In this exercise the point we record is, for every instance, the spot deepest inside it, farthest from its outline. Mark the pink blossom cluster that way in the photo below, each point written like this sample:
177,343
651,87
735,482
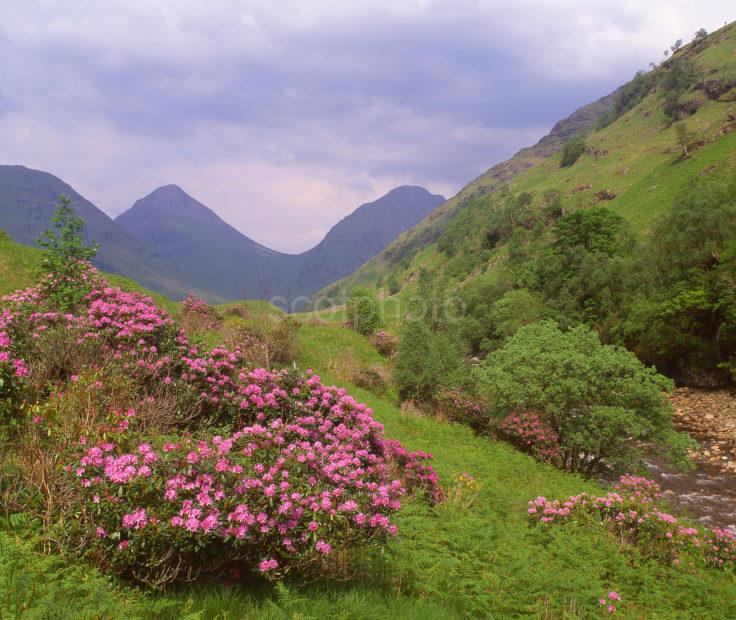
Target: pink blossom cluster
633,511
11,366
530,433
417,473
198,315
311,472
609,601
460,407
385,343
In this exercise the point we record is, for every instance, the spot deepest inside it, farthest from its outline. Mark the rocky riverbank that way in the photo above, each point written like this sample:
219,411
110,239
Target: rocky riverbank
708,492
710,417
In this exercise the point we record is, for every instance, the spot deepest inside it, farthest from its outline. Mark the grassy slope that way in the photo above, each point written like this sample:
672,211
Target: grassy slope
639,164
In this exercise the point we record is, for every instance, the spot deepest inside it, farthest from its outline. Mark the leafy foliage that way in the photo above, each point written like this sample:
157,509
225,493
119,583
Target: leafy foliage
572,150
66,256
601,402
681,74
627,97
684,318
363,310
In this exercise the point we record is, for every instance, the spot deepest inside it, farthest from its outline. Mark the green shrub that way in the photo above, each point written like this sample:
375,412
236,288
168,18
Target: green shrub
572,150
602,403
363,310
426,362
393,285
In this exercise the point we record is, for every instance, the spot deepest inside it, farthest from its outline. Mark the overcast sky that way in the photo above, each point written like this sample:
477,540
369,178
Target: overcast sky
285,116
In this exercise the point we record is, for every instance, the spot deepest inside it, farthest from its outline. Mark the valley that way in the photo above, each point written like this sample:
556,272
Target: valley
515,402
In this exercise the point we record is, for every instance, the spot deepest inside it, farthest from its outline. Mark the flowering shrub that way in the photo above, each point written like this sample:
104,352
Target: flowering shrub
417,475
606,408
531,434
632,511
385,343
12,368
197,315
308,475
295,473
458,406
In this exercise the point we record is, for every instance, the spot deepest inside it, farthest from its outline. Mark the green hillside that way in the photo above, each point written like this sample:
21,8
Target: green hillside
634,161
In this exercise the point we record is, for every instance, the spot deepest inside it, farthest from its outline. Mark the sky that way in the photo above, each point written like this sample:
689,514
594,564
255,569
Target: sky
284,116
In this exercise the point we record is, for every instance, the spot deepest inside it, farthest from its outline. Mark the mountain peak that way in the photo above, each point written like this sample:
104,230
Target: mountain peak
165,202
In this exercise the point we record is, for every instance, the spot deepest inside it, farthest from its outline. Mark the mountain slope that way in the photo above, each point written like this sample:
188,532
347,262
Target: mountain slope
27,200
631,164
362,235
207,249
213,254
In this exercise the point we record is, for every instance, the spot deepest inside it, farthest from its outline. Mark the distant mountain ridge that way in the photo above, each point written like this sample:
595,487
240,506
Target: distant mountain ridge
173,244
27,200
210,251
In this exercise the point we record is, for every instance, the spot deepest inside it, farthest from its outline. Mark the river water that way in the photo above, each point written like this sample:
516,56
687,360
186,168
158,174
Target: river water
706,494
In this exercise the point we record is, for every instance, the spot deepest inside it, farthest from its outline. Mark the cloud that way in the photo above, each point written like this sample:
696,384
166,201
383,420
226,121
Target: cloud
284,117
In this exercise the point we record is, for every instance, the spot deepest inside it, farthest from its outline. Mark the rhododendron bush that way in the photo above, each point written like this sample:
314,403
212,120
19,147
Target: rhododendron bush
253,470
634,512
309,475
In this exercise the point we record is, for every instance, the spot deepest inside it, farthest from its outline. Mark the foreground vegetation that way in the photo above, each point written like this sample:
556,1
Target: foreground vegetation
475,553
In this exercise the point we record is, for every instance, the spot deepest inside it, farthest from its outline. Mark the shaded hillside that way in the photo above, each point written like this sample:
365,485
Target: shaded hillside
213,254
362,235
203,246
27,200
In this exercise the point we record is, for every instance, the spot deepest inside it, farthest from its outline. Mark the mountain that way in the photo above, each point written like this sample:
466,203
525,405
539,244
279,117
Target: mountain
361,235
630,163
202,245
173,244
212,253
27,200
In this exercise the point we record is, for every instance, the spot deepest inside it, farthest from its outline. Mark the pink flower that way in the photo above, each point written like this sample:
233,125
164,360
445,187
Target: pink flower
323,547
267,565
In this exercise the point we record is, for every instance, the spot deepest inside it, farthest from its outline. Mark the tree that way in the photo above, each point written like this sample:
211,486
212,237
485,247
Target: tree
66,256
572,150
684,320
700,35
393,284
602,403
427,361
363,310
676,45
